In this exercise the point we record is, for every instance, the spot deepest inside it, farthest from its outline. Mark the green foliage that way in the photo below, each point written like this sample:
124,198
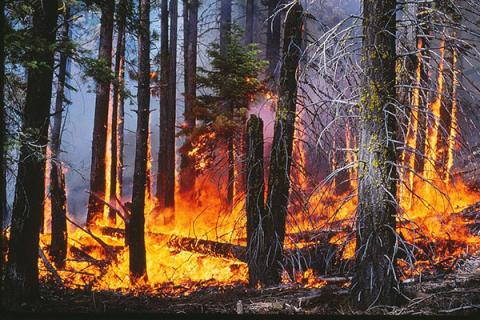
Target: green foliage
230,84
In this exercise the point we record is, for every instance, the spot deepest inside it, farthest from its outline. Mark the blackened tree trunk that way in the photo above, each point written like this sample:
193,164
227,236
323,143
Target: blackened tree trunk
117,103
164,106
375,262
136,229
22,269
282,144
225,34
255,206
99,139
58,245
249,21
187,170
273,39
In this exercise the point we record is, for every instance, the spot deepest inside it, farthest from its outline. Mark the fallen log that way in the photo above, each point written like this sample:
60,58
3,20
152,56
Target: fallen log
50,268
82,256
208,247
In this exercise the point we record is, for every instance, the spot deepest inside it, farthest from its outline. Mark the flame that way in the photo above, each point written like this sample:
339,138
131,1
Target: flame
453,126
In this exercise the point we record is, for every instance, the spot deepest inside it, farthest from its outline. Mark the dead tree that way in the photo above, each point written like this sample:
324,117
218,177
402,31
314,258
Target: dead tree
190,18
117,107
3,130
282,145
166,160
374,271
136,227
22,269
225,34
99,139
255,206
58,244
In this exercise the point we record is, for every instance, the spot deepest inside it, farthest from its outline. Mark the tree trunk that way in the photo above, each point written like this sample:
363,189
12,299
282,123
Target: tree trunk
273,40
117,103
99,139
225,34
249,21
22,269
374,272
255,206
3,134
136,228
58,246
282,144
187,170
164,106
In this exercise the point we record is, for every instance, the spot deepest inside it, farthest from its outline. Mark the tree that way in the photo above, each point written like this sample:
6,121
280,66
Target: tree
22,268
375,261
3,129
136,228
116,168
249,21
273,39
282,144
166,154
99,139
190,16
58,244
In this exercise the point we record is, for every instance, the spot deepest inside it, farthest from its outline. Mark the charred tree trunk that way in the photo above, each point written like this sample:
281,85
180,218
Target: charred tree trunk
225,34
22,269
187,169
3,134
166,167
136,228
58,246
164,105
99,139
281,156
249,21
273,40
117,103
255,206
374,272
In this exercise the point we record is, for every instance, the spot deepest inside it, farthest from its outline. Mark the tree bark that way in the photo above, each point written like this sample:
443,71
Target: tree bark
255,206
117,103
249,21
273,40
3,134
22,269
136,228
375,261
187,170
282,144
99,139
58,246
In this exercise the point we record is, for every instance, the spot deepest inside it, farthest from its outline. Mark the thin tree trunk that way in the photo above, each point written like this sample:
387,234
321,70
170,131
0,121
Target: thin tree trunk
136,228
164,105
249,21
117,103
225,34
22,268
187,170
3,134
282,144
58,245
375,262
273,40
99,139
255,206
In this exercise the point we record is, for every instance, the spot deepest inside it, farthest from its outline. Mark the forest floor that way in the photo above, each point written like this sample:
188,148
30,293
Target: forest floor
455,293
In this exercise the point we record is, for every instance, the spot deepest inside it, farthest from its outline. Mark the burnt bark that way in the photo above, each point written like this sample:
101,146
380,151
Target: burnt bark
375,260
117,104
3,134
190,16
22,268
282,144
255,206
136,227
58,246
99,139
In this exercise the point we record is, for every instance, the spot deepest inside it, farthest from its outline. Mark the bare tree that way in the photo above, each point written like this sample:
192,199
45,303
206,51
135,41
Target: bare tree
99,139
136,228
22,268
3,128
